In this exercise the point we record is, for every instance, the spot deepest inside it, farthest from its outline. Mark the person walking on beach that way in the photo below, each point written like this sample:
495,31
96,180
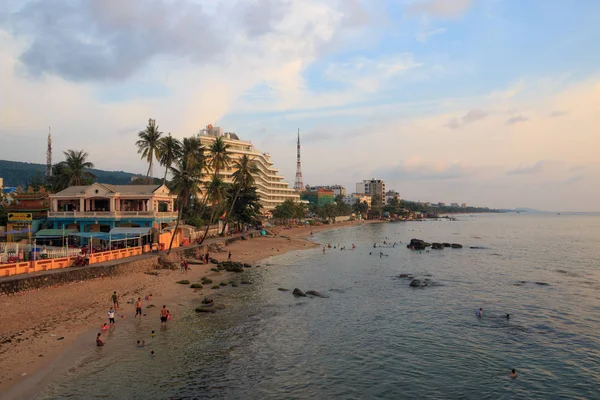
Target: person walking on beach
164,314
111,316
115,300
207,258
138,307
323,249
229,257
479,313
181,265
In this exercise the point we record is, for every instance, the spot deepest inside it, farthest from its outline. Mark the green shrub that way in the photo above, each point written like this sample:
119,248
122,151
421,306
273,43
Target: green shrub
196,286
184,282
216,287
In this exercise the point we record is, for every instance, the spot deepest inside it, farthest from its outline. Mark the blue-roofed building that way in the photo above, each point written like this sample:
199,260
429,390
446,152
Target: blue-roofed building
101,207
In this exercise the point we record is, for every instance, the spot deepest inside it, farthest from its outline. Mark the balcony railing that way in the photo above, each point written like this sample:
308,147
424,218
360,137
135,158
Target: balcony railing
111,214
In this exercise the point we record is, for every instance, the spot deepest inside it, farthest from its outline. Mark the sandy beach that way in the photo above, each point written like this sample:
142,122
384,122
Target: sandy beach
40,325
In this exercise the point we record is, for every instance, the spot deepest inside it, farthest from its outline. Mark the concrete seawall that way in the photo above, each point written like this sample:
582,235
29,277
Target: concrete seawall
146,262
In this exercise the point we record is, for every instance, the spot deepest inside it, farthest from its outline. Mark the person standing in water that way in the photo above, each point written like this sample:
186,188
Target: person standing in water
115,300
323,249
138,307
99,341
513,373
163,315
479,313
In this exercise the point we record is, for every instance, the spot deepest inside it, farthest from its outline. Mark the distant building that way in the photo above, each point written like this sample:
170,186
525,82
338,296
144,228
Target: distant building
351,199
391,194
337,189
441,204
455,205
464,205
25,212
270,187
373,187
319,196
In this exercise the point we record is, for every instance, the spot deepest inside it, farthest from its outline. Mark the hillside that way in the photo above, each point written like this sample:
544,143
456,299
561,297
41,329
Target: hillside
17,173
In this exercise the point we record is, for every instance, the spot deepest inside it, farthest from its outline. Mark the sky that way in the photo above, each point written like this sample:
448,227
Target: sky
489,102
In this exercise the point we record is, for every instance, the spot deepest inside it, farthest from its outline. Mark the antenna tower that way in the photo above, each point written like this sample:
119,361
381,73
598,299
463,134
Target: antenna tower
299,186
49,156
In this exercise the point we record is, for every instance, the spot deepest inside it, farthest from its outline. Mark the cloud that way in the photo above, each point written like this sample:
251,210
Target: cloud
516,120
370,73
439,8
425,35
414,169
558,113
469,117
509,92
536,168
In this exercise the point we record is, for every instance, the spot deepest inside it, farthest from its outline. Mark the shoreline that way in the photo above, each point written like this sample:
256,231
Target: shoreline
46,324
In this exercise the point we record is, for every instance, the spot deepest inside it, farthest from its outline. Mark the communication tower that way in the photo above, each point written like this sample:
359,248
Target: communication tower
299,186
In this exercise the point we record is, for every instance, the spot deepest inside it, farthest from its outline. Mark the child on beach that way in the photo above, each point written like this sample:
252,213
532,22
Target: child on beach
99,341
152,334
104,327
115,300
111,316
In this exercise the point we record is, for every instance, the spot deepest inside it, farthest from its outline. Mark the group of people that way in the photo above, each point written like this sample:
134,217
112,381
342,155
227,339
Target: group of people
479,314
165,316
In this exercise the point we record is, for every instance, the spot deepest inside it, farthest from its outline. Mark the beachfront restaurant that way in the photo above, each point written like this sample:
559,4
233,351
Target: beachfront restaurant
99,208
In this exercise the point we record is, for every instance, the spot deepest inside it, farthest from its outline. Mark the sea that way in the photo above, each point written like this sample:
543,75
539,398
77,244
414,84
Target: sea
374,336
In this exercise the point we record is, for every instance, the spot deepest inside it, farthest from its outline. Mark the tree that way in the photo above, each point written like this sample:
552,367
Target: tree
360,207
285,210
185,184
169,150
194,153
245,168
216,194
71,172
148,144
247,208
219,157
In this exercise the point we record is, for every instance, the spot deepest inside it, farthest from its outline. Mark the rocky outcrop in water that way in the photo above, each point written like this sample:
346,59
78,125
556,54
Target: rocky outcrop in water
316,294
417,244
283,289
298,293
421,283
231,266
406,276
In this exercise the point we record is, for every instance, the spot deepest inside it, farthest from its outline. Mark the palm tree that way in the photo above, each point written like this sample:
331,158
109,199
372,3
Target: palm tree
74,168
193,152
216,193
169,150
148,144
186,184
219,158
243,177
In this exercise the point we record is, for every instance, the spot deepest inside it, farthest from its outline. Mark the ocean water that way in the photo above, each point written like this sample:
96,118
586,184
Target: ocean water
375,337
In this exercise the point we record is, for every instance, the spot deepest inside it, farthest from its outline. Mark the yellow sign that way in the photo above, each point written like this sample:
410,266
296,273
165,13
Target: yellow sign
19,216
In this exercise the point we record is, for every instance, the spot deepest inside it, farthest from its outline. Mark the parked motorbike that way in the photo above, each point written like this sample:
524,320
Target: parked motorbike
81,262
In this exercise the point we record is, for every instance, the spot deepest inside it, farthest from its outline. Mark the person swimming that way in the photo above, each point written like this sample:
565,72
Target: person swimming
479,313
141,343
152,334
152,353
513,373
507,316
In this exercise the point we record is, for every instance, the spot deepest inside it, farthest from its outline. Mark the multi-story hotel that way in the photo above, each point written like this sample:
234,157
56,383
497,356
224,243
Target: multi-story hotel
270,186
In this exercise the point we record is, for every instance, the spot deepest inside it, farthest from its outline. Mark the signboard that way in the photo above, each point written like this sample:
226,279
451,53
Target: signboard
20,217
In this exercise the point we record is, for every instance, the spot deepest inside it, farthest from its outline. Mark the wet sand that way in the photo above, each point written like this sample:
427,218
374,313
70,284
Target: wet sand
43,324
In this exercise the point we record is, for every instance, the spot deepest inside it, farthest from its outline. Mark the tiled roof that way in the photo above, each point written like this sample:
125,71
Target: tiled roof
124,189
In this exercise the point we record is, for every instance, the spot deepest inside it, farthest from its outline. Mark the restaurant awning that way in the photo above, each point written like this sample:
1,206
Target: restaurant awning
130,231
54,233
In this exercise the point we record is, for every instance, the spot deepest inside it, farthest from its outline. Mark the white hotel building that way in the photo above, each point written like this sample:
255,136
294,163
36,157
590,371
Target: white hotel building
270,186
